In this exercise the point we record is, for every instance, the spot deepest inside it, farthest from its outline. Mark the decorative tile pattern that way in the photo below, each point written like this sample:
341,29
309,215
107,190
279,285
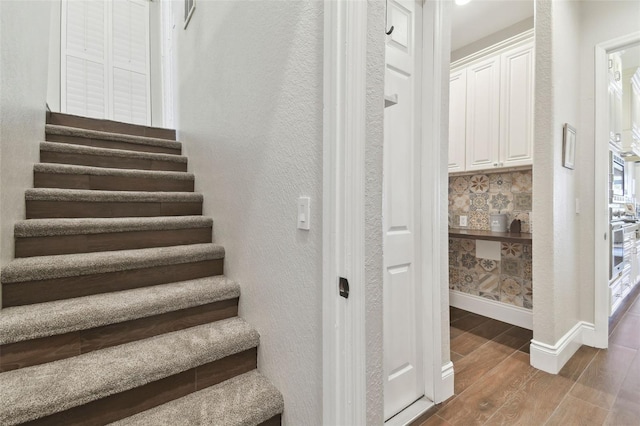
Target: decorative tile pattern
500,182
522,201
467,260
479,202
478,220
511,266
459,202
527,268
479,183
508,193
527,253
468,245
487,265
521,181
512,290
489,283
460,184
500,201
511,250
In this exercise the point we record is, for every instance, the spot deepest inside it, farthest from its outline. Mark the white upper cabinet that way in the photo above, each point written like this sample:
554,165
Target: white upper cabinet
457,119
483,114
491,108
516,107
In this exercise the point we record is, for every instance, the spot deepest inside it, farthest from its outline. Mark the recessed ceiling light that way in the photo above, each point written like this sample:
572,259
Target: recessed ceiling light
462,2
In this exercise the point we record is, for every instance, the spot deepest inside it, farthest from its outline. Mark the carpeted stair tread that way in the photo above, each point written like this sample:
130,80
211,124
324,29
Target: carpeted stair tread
37,391
63,316
88,150
67,169
245,400
88,195
78,264
56,227
53,129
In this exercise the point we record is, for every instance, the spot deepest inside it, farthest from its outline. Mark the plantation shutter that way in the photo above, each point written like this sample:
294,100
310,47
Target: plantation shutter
105,59
84,42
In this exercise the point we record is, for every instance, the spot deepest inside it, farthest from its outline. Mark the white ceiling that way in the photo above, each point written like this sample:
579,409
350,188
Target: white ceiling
481,18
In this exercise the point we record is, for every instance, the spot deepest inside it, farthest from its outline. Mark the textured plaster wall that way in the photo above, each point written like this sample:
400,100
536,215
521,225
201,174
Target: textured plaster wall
373,212
600,21
249,111
23,88
555,264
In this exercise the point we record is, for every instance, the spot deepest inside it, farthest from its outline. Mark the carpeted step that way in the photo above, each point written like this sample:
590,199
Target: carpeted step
46,278
35,334
54,152
248,399
52,175
77,121
42,203
76,136
45,237
127,378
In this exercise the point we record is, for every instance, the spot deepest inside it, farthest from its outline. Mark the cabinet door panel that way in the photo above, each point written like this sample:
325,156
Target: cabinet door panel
457,118
516,107
483,109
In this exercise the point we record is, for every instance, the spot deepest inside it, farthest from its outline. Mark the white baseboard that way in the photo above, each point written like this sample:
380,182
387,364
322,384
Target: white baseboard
446,389
490,308
551,358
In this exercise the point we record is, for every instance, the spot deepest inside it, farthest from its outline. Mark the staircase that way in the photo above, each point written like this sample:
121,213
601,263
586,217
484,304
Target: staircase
115,308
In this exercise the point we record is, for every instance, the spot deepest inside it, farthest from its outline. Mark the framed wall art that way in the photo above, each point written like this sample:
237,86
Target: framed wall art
568,146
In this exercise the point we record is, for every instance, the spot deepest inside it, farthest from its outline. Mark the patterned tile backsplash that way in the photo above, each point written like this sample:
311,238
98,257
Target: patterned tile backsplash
507,280
479,195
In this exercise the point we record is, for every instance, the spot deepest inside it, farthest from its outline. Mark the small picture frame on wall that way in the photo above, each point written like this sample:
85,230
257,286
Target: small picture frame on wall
568,146
189,7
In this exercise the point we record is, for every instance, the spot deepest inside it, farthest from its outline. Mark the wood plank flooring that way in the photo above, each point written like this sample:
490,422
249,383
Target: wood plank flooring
495,385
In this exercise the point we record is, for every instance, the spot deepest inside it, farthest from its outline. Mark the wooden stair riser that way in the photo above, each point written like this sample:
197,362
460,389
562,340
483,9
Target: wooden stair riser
110,183
39,209
128,403
90,243
25,293
112,144
109,126
52,348
111,162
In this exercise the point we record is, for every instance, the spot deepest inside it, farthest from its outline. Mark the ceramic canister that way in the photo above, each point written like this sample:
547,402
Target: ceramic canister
499,222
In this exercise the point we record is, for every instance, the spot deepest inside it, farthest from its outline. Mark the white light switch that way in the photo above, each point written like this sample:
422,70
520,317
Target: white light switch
463,220
304,213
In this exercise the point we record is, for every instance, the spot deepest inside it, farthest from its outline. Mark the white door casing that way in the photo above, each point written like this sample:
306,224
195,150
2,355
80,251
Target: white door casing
105,60
402,293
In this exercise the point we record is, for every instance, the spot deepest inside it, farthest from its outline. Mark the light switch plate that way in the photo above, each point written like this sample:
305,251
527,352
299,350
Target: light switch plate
463,221
304,213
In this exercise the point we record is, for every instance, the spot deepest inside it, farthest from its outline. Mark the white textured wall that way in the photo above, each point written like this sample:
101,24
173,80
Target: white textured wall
23,88
249,111
373,211
601,21
556,283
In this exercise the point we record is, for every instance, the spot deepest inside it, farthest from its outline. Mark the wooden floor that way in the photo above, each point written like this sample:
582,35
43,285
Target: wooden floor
494,383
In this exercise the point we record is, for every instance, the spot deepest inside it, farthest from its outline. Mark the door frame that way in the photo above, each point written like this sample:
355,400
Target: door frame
601,189
345,349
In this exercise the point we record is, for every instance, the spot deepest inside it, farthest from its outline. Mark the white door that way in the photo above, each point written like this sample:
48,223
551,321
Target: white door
516,106
457,120
483,114
403,371
105,59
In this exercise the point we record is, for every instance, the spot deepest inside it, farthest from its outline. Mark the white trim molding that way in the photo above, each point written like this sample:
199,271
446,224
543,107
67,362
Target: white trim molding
551,358
447,379
601,186
490,308
344,345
